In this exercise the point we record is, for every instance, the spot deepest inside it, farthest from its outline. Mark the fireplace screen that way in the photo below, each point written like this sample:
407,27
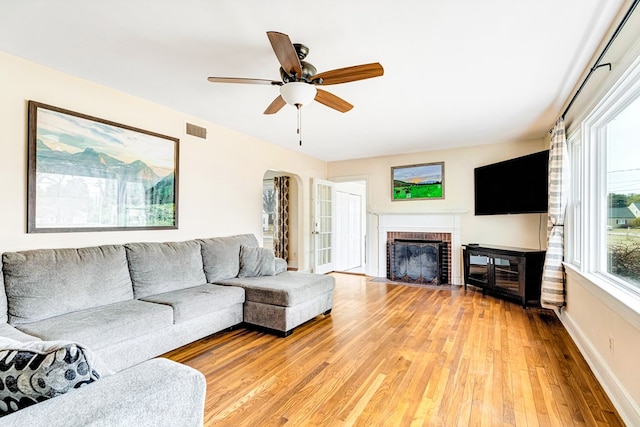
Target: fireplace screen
415,261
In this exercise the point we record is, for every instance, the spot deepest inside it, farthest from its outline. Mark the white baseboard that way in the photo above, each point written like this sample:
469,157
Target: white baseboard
623,402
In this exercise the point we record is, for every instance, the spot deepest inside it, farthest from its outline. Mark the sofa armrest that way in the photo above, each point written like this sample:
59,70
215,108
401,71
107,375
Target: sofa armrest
8,331
157,392
281,265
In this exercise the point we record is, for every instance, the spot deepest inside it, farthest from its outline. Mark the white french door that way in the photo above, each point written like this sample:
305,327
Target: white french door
349,234
323,225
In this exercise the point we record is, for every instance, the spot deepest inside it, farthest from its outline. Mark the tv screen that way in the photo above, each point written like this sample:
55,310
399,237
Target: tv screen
513,186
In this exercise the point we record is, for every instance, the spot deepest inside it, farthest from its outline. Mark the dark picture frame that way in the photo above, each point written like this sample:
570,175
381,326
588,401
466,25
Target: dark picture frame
90,174
423,181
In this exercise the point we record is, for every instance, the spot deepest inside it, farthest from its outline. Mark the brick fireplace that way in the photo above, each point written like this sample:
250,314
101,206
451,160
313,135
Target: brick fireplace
428,227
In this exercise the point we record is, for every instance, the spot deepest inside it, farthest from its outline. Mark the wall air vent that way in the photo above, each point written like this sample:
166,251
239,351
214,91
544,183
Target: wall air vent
197,131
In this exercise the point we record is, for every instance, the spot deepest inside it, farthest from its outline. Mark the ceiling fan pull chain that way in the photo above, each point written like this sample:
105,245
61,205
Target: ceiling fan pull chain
299,123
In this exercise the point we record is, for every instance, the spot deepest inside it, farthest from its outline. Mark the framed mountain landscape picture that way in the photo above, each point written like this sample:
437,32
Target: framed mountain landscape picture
89,174
417,182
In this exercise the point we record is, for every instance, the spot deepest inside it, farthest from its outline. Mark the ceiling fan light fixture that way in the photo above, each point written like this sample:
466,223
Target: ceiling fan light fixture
298,93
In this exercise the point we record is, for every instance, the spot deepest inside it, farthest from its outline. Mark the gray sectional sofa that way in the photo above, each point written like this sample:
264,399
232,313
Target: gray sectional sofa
129,303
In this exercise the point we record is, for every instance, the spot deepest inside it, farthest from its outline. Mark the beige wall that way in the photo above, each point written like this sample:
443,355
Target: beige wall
607,333
507,230
220,179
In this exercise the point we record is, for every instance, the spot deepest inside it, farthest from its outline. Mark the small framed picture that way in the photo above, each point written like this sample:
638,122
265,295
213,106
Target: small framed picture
417,182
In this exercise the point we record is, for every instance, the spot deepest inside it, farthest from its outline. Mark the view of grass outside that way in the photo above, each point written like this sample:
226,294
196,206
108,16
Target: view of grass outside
623,191
624,253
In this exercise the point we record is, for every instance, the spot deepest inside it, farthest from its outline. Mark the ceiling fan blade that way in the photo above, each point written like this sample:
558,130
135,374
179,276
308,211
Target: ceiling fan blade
275,106
245,81
332,101
285,52
350,74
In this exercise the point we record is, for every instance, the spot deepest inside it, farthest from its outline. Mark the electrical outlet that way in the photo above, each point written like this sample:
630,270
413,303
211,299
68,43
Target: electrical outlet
611,344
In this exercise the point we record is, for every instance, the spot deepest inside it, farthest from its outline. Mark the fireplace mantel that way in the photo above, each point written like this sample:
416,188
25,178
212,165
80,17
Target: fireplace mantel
446,221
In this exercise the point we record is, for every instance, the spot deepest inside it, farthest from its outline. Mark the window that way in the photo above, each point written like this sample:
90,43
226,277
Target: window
268,211
603,214
623,191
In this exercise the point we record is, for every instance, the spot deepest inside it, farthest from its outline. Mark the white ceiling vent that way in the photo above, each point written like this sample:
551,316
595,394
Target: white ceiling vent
196,131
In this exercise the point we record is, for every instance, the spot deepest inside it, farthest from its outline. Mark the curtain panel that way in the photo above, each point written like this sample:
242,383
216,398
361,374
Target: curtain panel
553,281
281,222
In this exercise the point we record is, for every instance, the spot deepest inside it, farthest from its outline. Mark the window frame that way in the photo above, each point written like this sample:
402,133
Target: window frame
588,224
574,229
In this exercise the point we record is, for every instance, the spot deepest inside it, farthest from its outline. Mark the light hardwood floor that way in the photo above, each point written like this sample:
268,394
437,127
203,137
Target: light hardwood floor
395,355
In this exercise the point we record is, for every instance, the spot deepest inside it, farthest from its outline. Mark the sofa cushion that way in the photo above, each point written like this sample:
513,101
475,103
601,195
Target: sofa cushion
199,300
256,261
44,283
36,371
285,289
103,326
4,317
163,267
221,255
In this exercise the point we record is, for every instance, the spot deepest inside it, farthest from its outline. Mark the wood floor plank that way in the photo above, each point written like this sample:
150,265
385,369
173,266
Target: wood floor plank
396,355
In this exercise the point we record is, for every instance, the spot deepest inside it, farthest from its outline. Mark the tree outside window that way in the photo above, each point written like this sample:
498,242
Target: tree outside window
268,208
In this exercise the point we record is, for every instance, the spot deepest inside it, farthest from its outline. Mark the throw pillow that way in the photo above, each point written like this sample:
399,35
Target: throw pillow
281,265
255,261
39,370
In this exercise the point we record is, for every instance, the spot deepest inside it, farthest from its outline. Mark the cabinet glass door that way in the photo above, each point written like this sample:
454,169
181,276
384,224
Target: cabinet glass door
479,268
506,274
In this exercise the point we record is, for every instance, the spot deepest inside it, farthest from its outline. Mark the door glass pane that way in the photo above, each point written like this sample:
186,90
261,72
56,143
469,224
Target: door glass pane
479,268
324,209
506,274
623,195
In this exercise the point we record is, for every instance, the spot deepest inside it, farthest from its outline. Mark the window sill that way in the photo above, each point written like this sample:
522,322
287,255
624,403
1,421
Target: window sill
620,300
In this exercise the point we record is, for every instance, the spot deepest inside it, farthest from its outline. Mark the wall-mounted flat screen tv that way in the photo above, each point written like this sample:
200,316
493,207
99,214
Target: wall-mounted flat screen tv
513,186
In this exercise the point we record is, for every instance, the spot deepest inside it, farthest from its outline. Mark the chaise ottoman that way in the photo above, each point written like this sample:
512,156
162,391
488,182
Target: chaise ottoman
276,300
281,302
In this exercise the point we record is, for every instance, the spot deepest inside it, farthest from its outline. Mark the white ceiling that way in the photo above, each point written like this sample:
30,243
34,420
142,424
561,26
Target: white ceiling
457,72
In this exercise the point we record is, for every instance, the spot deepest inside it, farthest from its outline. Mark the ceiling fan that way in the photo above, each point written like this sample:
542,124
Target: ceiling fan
300,79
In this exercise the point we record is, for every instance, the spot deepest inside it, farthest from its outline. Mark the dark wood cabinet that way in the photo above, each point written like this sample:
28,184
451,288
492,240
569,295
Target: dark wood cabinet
514,273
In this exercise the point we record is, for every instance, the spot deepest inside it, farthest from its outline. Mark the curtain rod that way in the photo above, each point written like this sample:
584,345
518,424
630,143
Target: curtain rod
604,51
